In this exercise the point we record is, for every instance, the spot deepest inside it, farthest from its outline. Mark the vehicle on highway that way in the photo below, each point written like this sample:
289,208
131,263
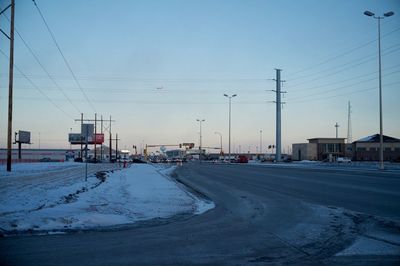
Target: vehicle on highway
242,159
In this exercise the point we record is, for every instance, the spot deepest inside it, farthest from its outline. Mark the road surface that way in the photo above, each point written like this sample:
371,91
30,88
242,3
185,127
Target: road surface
263,215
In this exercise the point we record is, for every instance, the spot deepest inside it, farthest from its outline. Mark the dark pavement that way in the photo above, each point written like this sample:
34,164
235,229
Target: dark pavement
263,215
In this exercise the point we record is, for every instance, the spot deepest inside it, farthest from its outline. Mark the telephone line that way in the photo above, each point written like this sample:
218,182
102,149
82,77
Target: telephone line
37,88
343,69
341,81
373,55
344,94
346,86
43,68
342,54
62,55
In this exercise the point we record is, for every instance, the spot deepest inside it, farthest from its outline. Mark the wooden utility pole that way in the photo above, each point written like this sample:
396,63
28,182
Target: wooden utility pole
95,135
10,88
110,142
101,145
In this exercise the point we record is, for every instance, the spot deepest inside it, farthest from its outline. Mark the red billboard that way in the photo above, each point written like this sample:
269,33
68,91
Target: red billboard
98,139
76,138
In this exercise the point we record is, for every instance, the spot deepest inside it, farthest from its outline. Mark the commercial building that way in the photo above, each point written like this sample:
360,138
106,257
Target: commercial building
319,149
367,149
36,155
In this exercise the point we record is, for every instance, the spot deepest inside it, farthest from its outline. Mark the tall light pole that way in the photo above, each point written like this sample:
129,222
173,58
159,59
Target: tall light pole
230,101
200,121
387,14
260,143
220,137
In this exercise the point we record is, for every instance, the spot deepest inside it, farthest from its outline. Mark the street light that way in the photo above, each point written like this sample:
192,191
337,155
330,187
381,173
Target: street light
230,100
220,136
261,144
387,14
200,121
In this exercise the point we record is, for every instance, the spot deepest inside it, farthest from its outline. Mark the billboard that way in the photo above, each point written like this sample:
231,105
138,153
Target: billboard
24,136
77,138
87,130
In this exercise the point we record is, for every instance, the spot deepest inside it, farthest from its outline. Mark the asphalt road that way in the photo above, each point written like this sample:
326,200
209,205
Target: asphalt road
262,216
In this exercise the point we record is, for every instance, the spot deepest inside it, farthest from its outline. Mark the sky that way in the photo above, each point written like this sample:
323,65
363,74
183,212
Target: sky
155,66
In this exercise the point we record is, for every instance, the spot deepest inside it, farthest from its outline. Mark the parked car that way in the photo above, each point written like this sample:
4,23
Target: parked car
242,159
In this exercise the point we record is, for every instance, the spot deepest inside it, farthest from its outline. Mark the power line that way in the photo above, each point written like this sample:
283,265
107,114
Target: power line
344,87
342,54
341,81
43,68
372,56
62,55
345,68
37,88
344,94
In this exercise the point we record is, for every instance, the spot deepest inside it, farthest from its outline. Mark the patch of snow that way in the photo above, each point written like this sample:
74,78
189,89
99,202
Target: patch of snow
35,168
368,138
139,192
368,246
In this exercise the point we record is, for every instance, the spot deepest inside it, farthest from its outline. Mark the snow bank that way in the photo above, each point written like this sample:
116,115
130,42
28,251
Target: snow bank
139,192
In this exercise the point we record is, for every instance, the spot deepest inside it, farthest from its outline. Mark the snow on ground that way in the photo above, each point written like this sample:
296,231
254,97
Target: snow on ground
125,196
35,168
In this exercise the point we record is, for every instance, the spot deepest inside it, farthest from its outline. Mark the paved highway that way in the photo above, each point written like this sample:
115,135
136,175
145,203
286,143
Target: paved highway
263,215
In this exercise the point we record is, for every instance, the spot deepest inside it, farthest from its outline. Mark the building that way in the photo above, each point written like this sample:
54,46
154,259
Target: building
319,149
36,155
367,149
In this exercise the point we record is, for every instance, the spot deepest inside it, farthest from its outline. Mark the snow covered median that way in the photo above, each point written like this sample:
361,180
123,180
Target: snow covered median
116,197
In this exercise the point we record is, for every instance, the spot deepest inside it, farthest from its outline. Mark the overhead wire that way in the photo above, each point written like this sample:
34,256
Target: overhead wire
344,94
345,80
346,86
43,68
351,50
37,87
62,55
348,65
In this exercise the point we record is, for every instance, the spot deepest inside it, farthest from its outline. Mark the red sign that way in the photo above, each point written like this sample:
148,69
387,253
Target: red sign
98,139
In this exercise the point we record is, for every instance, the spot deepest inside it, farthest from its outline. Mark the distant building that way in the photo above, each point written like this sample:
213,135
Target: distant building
319,149
36,155
367,149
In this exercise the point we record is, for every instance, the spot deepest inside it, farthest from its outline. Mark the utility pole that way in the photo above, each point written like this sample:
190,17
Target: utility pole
10,86
81,136
200,144
260,143
230,103
101,145
278,114
349,134
110,142
95,135
337,127
116,146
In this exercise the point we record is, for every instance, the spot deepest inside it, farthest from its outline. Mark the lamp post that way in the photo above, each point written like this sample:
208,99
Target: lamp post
220,137
379,18
230,101
260,143
200,121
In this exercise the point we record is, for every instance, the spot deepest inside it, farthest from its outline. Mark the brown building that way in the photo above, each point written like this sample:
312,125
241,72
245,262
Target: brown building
319,149
367,149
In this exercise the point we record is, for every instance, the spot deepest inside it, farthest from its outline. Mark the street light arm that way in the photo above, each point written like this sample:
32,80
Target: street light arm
369,13
388,14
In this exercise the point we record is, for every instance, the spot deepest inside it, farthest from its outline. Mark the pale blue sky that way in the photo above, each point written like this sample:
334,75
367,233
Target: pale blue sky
122,51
